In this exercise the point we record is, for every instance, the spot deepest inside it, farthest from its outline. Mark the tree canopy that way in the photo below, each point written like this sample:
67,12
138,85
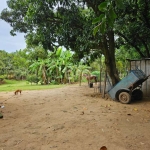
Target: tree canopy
133,27
70,24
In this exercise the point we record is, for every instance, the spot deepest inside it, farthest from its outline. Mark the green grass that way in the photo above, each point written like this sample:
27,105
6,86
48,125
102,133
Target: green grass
12,85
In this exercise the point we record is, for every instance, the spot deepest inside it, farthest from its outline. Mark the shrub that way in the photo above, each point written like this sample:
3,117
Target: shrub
33,79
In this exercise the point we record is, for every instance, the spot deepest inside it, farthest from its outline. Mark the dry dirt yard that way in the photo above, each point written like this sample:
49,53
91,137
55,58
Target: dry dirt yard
72,118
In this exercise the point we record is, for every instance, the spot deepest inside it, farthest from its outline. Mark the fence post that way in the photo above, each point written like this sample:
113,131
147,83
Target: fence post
103,94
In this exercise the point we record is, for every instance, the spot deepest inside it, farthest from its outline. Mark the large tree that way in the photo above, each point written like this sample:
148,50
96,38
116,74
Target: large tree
64,23
133,27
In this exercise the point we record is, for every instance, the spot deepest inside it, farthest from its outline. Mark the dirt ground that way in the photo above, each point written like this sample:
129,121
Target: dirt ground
72,118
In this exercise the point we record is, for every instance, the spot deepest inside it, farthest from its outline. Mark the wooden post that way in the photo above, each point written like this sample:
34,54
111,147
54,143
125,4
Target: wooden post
103,94
100,75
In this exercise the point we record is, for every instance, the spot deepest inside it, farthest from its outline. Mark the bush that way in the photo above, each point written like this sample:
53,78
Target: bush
53,82
33,79
2,79
3,76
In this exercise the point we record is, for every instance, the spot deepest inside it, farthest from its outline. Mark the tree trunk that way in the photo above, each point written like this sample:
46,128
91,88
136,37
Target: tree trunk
44,75
80,78
109,53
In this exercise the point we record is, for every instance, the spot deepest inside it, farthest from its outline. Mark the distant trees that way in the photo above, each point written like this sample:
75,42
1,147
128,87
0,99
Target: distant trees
54,67
13,65
36,66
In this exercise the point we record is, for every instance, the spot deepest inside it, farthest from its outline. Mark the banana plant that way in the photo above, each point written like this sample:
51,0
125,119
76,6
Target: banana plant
82,69
40,68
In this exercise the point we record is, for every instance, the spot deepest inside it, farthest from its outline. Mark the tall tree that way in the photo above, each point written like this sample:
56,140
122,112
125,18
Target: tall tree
65,22
133,26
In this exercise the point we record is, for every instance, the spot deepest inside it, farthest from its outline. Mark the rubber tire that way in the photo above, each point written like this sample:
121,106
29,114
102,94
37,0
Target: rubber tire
124,97
137,94
118,92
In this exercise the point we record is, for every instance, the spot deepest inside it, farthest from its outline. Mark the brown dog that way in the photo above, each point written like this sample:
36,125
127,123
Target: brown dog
18,91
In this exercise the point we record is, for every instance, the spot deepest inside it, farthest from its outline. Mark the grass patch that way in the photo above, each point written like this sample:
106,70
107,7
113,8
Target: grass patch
12,85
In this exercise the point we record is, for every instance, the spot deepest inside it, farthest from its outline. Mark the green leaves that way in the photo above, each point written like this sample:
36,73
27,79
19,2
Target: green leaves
101,27
95,30
119,4
106,19
103,6
112,13
98,19
111,17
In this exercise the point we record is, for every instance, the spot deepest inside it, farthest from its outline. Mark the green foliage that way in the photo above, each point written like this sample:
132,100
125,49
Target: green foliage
133,28
2,76
122,55
58,67
103,6
36,52
119,4
69,24
95,73
14,65
107,17
53,82
33,79
2,79
81,70
124,52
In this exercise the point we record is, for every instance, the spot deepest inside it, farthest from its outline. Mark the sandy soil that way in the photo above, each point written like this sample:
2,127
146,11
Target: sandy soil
72,118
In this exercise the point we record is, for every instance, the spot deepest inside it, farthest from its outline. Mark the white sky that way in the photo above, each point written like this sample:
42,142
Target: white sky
7,42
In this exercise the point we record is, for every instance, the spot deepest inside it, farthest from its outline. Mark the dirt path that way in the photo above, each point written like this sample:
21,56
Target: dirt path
72,118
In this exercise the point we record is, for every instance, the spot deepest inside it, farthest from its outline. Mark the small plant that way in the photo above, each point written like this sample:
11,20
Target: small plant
53,82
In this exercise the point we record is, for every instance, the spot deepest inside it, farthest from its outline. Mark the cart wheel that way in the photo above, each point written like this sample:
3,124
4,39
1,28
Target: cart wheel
137,94
120,91
124,97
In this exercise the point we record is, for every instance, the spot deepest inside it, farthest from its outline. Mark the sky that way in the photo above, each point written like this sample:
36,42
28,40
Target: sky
7,42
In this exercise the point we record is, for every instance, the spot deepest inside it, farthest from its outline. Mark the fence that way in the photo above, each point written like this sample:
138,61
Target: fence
144,65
